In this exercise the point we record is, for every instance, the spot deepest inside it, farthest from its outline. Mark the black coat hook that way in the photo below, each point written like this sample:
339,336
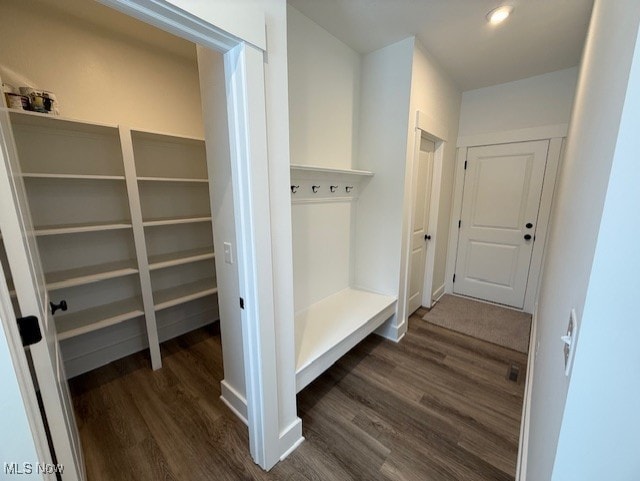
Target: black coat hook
348,188
294,188
333,188
315,188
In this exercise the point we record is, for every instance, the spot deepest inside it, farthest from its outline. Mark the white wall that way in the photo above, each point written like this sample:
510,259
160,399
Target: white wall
382,149
324,88
321,250
403,79
532,102
435,94
97,72
601,412
609,316
324,79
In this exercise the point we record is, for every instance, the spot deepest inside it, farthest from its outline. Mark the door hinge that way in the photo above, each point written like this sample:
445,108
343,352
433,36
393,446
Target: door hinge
241,303
29,328
454,278
459,224
465,165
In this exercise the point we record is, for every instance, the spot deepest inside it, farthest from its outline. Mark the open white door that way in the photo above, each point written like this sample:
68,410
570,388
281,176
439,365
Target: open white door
24,262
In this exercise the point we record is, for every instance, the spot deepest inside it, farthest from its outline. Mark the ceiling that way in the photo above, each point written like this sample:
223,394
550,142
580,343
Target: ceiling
541,36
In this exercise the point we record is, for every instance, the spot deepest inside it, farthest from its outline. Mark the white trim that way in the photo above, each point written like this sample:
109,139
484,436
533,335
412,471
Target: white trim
523,444
323,200
456,213
172,19
246,105
437,295
392,331
542,225
235,401
290,438
543,132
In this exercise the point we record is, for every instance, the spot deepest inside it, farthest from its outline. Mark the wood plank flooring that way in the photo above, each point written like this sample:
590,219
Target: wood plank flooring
436,407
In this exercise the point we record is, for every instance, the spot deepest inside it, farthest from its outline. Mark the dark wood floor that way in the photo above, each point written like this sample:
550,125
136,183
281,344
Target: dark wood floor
437,406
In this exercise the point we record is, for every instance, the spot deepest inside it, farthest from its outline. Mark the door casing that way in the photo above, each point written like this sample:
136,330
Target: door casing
556,135
435,130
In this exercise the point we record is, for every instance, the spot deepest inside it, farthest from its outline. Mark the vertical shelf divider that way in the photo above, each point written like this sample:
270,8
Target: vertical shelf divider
140,245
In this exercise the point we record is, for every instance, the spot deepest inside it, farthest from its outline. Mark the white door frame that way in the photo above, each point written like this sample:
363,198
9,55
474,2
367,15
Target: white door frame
245,84
246,110
555,134
434,130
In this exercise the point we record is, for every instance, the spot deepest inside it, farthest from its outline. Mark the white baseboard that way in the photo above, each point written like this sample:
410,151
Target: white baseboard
392,331
291,438
235,401
437,295
523,445
99,348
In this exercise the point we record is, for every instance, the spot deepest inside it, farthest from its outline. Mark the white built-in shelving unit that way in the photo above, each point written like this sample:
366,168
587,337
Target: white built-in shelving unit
123,223
175,196
332,314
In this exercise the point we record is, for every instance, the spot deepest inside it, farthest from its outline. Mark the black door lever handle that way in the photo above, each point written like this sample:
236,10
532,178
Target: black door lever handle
54,307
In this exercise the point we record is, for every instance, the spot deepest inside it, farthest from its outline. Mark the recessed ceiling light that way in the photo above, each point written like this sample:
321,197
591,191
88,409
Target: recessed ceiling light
499,15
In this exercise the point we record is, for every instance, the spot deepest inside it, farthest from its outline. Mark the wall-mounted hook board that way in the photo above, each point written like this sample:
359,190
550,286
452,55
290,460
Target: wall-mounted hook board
321,184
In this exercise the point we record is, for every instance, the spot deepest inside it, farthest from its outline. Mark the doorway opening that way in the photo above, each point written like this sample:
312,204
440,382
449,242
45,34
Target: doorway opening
501,210
147,273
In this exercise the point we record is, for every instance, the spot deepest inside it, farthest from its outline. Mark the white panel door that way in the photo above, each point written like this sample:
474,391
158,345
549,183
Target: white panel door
22,253
420,225
501,199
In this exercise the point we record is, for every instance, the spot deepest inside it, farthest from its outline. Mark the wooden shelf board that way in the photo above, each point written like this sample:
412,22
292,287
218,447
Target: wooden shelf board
179,258
88,320
32,175
176,220
310,169
164,136
37,119
79,228
90,274
328,329
173,179
174,296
